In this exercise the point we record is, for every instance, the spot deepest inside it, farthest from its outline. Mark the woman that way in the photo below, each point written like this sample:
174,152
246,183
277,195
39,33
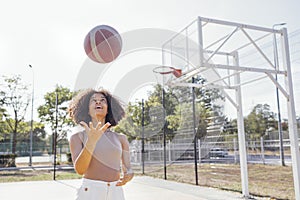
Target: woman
98,153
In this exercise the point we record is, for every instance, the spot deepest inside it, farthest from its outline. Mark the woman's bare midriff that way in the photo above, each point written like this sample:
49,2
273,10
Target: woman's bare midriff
99,171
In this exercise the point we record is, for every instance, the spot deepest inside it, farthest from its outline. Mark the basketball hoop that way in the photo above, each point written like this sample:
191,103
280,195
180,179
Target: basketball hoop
168,70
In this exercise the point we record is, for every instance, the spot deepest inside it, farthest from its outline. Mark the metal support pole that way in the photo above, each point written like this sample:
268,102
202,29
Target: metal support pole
164,133
55,133
200,41
276,63
241,133
31,122
143,138
195,133
291,115
262,149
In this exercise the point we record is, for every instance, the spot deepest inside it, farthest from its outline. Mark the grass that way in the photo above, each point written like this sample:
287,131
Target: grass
273,182
35,175
270,181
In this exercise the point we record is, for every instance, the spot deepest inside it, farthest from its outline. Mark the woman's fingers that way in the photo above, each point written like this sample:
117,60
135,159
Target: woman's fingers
91,125
98,126
121,182
105,126
126,178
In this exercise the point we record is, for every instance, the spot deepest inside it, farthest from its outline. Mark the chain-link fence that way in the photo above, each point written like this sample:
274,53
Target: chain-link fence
41,154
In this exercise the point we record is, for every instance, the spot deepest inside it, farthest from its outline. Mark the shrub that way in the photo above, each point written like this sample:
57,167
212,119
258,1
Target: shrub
69,157
8,160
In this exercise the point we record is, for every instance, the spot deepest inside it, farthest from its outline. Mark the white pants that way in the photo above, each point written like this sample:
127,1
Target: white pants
99,190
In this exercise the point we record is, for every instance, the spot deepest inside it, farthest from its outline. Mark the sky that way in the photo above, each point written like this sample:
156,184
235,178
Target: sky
48,35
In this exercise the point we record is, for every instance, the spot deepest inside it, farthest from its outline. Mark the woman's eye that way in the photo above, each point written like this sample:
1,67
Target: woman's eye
100,100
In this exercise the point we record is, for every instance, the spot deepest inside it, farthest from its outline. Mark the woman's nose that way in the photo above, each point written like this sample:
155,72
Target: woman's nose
98,101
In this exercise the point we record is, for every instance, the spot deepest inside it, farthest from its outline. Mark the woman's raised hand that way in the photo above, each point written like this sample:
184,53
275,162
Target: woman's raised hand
95,133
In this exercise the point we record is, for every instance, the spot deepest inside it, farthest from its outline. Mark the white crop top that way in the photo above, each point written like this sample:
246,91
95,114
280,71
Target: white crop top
108,150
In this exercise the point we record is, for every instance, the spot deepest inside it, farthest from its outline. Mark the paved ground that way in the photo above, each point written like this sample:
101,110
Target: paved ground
140,188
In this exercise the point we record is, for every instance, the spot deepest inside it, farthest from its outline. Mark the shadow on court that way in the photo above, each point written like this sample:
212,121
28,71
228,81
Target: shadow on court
140,188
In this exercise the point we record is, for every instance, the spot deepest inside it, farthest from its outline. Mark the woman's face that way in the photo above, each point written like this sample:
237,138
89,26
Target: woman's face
98,106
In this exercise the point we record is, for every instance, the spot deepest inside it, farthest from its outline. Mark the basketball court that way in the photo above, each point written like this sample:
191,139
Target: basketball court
141,187
220,60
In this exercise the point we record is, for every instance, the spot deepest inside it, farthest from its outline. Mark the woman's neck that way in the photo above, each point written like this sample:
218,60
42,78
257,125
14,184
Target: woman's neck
96,121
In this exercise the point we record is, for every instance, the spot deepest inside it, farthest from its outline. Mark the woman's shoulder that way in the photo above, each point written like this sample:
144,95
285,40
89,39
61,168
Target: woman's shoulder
119,135
77,136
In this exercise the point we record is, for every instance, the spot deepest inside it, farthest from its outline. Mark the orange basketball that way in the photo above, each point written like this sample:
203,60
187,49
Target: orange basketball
103,44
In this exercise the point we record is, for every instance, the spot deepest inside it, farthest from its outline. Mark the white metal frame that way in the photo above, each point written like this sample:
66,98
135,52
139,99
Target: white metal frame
269,71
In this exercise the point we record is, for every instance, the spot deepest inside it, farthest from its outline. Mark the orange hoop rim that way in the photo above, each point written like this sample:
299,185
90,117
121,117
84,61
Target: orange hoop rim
174,71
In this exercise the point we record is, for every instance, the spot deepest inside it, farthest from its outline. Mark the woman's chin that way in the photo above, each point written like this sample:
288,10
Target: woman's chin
100,115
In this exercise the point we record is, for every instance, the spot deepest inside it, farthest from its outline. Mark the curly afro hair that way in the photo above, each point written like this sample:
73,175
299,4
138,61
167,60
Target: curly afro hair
79,107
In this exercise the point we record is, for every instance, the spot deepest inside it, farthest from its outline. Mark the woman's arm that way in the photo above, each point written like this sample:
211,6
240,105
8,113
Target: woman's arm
81,153
126,165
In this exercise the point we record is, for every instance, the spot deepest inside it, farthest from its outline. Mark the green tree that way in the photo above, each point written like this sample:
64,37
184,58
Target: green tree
5,132
177,110
38,135
207,111
15,98
160,105
130,124
3,126
259,121
153,115
47,111
229,127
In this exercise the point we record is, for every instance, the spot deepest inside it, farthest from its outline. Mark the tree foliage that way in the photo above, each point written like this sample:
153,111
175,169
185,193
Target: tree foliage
47,112
174,114
153,114
259,121
14,97
207,110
